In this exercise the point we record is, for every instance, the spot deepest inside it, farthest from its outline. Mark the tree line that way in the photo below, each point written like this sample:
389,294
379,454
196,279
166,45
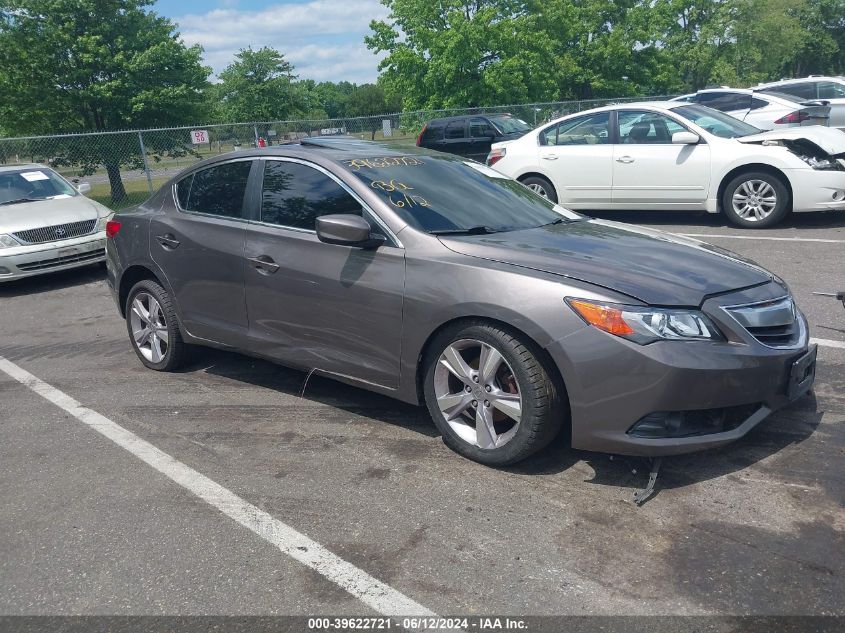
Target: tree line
99,65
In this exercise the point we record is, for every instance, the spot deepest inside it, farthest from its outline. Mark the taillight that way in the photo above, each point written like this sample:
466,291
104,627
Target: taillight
495,156
112,227
798,116
419,138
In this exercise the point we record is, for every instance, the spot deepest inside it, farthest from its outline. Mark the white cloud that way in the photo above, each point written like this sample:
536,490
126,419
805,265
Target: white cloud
323,39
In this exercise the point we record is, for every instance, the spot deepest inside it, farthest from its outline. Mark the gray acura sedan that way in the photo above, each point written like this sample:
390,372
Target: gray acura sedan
436,280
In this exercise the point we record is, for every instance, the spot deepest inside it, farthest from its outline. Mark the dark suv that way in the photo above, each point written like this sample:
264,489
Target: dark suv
471,135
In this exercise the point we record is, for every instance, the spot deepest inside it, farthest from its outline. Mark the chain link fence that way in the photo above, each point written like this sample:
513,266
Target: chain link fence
124,168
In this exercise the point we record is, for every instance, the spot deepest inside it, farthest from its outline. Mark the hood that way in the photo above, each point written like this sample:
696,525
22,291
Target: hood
32,215
830,140
654,267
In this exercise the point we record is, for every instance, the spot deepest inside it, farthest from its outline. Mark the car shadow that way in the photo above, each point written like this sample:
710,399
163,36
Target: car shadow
49,282
787,427
812,220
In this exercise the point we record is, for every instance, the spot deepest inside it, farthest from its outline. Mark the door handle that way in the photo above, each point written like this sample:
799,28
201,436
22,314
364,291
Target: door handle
625,159
550,156
264,264
168,241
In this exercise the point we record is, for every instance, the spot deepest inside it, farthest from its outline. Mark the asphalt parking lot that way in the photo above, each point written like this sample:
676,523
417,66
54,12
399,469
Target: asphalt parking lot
88,528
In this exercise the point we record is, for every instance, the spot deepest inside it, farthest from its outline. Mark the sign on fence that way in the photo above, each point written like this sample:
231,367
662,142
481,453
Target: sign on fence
386,128
198,137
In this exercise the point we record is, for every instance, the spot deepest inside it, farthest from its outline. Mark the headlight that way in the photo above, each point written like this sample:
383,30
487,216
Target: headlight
7,241
101,223
822,164
646,325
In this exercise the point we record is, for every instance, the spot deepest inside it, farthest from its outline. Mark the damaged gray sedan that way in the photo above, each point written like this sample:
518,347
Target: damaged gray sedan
438,281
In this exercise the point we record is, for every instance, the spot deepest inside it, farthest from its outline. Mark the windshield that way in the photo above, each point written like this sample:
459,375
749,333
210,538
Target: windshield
32,183
448,194
510,125
715,122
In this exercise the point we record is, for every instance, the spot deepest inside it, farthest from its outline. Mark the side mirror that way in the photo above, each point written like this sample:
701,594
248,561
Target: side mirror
685,138
347,230
83,188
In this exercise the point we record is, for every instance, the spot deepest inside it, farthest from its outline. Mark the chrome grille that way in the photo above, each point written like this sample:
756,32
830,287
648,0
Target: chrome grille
56,233
773,323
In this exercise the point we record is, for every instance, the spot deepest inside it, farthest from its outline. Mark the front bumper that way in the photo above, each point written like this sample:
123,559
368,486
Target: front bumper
613,384
815,190
36,259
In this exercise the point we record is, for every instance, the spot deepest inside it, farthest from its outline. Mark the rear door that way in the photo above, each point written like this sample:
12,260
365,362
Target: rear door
481,135
199,244
455,139
577,155
649,171
315,305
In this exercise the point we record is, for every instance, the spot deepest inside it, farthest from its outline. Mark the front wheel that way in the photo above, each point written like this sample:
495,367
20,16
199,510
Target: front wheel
756,200
489,394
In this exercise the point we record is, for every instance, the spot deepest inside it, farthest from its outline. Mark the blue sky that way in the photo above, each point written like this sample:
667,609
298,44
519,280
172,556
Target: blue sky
323,39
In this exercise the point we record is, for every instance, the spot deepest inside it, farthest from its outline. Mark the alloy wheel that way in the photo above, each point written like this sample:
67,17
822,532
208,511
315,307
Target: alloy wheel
149,327
539,189
754,200
477,393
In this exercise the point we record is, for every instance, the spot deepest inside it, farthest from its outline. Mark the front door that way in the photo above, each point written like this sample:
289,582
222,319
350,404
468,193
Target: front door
649,171
316,305
199,244
481,135
577,155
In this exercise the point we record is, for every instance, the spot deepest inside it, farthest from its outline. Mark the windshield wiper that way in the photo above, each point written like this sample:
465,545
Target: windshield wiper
473,230
17,200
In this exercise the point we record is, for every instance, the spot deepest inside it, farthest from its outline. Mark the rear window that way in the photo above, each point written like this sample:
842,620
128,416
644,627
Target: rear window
803,90
433,132
218,190
443,193
456,129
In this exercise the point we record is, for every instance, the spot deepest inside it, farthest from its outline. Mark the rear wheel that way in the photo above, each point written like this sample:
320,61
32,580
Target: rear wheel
153,328
489,394
756,200
540,186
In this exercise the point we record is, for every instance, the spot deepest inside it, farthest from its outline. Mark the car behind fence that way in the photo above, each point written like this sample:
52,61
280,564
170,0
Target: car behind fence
125,167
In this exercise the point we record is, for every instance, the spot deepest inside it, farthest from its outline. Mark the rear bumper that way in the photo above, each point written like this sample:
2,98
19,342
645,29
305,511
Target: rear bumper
36,259
613,384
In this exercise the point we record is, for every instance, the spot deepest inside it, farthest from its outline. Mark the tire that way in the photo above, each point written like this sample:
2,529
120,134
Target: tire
540,186
519,382
163,348
756,200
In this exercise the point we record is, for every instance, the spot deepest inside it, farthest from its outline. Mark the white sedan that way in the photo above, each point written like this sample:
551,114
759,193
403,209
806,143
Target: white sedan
674,155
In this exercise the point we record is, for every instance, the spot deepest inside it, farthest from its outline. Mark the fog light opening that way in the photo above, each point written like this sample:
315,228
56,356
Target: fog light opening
674,424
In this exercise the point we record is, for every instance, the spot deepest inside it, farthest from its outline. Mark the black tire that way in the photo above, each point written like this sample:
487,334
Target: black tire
541,186
176,350
542,414
783,202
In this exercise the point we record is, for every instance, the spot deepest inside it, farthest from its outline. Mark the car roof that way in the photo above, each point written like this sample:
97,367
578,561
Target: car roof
8,168
786,82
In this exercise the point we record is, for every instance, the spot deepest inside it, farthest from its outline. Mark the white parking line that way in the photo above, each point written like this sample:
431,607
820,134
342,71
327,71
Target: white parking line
371,591
825,342
764,237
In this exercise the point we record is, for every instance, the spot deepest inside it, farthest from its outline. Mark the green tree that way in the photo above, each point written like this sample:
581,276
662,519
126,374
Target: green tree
96,65
370,100
259,85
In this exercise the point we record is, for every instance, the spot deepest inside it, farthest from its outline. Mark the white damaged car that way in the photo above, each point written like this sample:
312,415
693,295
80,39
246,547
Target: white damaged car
46,224
674,155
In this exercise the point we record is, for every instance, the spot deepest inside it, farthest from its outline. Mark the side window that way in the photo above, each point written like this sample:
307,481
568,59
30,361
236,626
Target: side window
183,188
480,128
219,190
295,195
830,90
593,129
433,132
455,129
756,103
644,127
803,90
549,136
725,101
